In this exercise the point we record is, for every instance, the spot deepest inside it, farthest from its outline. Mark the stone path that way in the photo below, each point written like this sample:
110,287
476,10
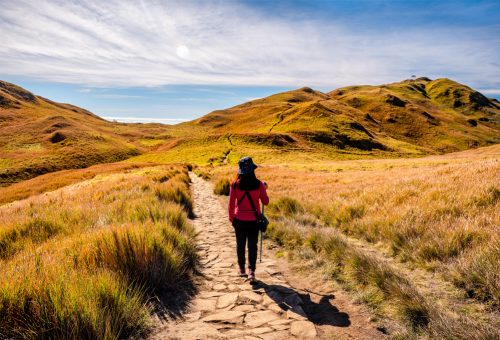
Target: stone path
227,306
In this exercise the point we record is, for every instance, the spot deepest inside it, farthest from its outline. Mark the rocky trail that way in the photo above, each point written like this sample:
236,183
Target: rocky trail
282,305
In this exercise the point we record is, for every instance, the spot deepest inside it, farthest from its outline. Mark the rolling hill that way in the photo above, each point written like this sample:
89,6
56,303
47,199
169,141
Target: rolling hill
38,136
409,118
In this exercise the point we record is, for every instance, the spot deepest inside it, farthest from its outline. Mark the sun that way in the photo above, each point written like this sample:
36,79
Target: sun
182,51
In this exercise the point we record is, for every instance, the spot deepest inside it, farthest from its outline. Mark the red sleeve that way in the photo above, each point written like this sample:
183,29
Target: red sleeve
263,194
232,202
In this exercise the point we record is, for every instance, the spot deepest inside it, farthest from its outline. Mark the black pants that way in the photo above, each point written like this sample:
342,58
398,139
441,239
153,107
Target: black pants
246,231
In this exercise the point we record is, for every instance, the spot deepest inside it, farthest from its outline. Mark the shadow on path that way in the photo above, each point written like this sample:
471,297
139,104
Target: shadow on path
319,313
173,302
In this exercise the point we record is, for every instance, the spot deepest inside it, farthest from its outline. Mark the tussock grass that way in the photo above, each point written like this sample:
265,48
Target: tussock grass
222,187
478,273
202,173
376,282
439,217
286,206
85,261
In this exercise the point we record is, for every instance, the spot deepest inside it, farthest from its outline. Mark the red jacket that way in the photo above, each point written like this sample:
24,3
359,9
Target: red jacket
244,211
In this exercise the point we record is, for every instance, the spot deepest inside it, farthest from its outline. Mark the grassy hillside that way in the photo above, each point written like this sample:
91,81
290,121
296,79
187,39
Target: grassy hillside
408,118
38,136
87,261
439,115
404,119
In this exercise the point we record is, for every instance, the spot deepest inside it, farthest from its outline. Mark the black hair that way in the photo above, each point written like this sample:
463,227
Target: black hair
247,181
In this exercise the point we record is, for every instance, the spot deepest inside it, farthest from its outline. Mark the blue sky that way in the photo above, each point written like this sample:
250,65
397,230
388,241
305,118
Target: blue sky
169,61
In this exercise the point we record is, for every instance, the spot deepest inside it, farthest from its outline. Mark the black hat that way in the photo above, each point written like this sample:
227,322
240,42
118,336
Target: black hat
246,166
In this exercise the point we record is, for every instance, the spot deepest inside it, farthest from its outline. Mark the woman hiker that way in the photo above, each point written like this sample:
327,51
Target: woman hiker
243,216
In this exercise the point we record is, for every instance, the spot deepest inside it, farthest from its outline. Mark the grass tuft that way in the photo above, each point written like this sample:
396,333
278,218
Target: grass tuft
286,206
222,187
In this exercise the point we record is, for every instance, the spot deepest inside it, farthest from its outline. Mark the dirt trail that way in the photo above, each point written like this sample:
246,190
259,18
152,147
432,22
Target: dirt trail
278,307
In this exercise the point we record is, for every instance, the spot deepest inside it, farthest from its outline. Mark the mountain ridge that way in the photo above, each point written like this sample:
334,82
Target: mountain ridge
420,116
414,117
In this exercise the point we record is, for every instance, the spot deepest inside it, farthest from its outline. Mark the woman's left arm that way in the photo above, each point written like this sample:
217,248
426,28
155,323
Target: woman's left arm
263,194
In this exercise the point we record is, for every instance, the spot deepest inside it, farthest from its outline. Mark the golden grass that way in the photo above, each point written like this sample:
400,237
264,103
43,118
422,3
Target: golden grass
59,179
439,213
83,261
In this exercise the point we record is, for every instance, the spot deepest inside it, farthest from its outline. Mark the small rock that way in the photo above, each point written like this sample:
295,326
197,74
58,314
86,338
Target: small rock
227,300
222,326
245,286
257,319
261,330
232,287
303,329
272,271
219,286
275,308
222,265
281,327
192,316
280,322
245,308
266,300
277,335
249,296
204,305
230,316
232,333
210,294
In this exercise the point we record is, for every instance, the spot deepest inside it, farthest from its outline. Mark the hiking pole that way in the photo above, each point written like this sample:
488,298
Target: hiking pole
261,237
261,246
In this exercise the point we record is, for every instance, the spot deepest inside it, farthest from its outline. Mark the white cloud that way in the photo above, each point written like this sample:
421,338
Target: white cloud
490,91
152,43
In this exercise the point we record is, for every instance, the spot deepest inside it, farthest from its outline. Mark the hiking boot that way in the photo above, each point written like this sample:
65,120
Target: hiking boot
251,276
242,272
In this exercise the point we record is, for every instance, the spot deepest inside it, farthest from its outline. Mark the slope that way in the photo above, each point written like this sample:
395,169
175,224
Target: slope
409,118
38,136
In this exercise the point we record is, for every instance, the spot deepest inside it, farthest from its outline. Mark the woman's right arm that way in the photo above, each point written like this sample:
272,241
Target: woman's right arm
232,202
